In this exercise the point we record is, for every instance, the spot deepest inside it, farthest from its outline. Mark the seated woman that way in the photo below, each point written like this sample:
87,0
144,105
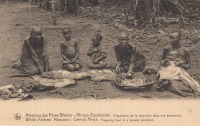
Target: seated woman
175,61
34,58
129,59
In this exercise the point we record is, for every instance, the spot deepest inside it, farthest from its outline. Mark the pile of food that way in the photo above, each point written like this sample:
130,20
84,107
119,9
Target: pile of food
138,81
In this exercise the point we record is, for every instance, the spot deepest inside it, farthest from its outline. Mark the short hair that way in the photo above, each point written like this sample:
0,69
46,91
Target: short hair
122,34
176,33
98,37
68,29
36,29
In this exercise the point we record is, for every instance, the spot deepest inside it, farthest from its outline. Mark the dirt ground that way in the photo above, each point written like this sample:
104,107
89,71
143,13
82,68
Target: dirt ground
15,22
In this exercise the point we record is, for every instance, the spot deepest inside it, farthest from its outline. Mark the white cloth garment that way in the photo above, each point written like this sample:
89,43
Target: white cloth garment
173,72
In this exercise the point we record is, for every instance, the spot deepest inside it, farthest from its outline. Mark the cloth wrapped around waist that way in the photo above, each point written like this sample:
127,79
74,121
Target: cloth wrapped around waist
173,72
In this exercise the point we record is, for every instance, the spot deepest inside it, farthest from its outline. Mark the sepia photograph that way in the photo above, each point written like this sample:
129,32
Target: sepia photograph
99,62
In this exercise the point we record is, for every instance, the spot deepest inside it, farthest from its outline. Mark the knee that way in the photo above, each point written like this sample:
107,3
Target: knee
65,62
33,72
103,65
92,66
65,66
15,65
69,67
77,67
97,66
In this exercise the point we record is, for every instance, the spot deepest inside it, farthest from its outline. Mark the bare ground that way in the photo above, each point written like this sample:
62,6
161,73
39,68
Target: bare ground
15,22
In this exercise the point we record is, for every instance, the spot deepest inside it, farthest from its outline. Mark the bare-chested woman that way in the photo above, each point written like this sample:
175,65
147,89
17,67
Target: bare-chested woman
34,59
175,61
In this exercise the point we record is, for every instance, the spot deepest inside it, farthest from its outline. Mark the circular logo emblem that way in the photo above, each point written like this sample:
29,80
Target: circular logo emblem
17,116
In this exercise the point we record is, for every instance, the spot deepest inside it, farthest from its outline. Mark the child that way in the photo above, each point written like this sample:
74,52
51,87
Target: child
97,57
70,52
129,59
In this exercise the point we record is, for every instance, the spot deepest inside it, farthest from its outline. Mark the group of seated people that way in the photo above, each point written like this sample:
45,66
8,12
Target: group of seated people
34,58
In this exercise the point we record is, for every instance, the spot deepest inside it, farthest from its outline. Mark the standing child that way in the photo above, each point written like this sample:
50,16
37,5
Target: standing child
129,59
97,57
70,52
